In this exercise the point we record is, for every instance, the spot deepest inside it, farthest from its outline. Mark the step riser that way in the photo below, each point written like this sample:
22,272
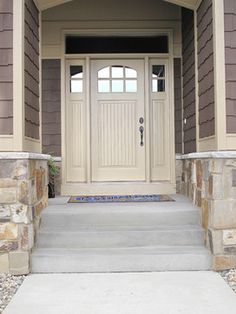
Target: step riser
73,221
126,263
119,239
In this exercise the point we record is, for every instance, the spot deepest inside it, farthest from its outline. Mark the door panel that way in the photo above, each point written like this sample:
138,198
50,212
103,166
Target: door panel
117,103
75,122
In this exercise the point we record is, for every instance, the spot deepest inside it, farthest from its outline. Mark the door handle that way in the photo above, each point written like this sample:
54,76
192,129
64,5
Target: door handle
141,130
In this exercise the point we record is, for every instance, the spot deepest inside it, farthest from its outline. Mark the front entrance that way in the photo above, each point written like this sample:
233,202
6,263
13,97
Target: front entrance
118,126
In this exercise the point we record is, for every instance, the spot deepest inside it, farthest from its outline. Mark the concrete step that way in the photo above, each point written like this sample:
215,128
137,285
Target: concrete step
128,236
156,258
72,216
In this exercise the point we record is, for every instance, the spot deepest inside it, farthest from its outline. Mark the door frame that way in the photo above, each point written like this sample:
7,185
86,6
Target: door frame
89,188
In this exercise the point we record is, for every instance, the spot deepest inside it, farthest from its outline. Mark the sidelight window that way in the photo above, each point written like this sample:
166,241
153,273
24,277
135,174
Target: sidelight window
76,79
158,78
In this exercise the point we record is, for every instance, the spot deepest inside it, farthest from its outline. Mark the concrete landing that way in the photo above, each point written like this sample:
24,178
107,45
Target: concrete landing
129,293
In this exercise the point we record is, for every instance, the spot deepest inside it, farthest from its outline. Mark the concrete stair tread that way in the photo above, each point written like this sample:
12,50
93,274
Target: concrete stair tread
147,250
135,259
100,208
118,228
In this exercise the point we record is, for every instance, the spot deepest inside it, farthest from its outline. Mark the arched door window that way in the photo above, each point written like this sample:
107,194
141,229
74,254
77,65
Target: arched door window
117,79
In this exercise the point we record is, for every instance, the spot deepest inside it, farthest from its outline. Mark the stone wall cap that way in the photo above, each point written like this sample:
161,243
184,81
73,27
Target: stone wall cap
209,155
56,159
24,155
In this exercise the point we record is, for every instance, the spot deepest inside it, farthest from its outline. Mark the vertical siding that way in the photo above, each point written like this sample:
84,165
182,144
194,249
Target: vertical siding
51,106
230,66
206,69
178,105
31,70
6,67
189,104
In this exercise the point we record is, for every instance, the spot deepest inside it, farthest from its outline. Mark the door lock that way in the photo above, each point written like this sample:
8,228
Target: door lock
141,120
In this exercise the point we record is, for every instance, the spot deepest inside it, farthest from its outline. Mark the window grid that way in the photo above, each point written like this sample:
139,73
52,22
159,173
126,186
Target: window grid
158,78
76,79
117,79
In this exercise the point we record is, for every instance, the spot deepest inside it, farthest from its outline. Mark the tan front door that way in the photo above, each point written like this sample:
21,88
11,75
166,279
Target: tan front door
117,120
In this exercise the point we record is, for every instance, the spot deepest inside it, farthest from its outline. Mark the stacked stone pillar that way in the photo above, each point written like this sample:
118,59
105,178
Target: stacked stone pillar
209,180
23,195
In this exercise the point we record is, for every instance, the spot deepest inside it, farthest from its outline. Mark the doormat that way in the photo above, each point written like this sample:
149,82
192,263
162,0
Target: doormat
120,198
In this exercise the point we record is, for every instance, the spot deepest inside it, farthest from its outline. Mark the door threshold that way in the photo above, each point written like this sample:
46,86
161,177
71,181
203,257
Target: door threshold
114,188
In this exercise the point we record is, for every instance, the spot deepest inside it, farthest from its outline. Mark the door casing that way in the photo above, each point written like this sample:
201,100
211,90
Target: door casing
87,186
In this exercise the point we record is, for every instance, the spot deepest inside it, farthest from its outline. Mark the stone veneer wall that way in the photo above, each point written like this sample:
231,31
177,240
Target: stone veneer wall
209,180
23,195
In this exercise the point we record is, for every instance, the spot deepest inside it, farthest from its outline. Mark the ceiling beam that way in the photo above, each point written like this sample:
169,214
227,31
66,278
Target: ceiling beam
190,4
46,4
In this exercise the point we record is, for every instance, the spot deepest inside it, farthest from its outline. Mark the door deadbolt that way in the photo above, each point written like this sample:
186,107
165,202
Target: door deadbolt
141,120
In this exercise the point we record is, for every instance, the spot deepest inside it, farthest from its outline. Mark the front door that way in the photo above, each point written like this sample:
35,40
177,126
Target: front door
117,120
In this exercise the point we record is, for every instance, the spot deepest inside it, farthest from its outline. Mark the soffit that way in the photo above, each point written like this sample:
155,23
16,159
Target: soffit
46,4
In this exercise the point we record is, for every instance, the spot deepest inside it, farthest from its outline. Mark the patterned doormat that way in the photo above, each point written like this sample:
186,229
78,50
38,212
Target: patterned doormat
120,198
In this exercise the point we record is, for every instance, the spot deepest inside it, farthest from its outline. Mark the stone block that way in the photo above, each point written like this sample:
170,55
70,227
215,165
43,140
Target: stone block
204,190
215,241
210,186
32,168
205,212
27,237
215,189
230,163
19,263
216,166
230,250
5,213
229,237
40,182
199,173
223,214
222,262
8,195
205,169
229,190
198,201
40,206
4,263
27,192
8,231
21,170
20,213
6,168
8,183
7,246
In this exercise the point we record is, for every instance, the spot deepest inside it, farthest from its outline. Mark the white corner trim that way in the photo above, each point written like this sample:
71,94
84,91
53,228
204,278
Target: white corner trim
209,155
23,155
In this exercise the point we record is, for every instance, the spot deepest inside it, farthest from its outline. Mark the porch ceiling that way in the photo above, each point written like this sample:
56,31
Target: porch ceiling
46,4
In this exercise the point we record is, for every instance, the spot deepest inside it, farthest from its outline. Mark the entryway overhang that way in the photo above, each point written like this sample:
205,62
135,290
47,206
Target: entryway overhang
46,4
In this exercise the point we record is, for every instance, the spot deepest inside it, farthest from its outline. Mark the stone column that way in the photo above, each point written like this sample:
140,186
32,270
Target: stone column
23,195
209,180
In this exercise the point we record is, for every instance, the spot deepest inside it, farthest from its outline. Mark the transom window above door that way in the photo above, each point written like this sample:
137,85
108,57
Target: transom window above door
117,79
